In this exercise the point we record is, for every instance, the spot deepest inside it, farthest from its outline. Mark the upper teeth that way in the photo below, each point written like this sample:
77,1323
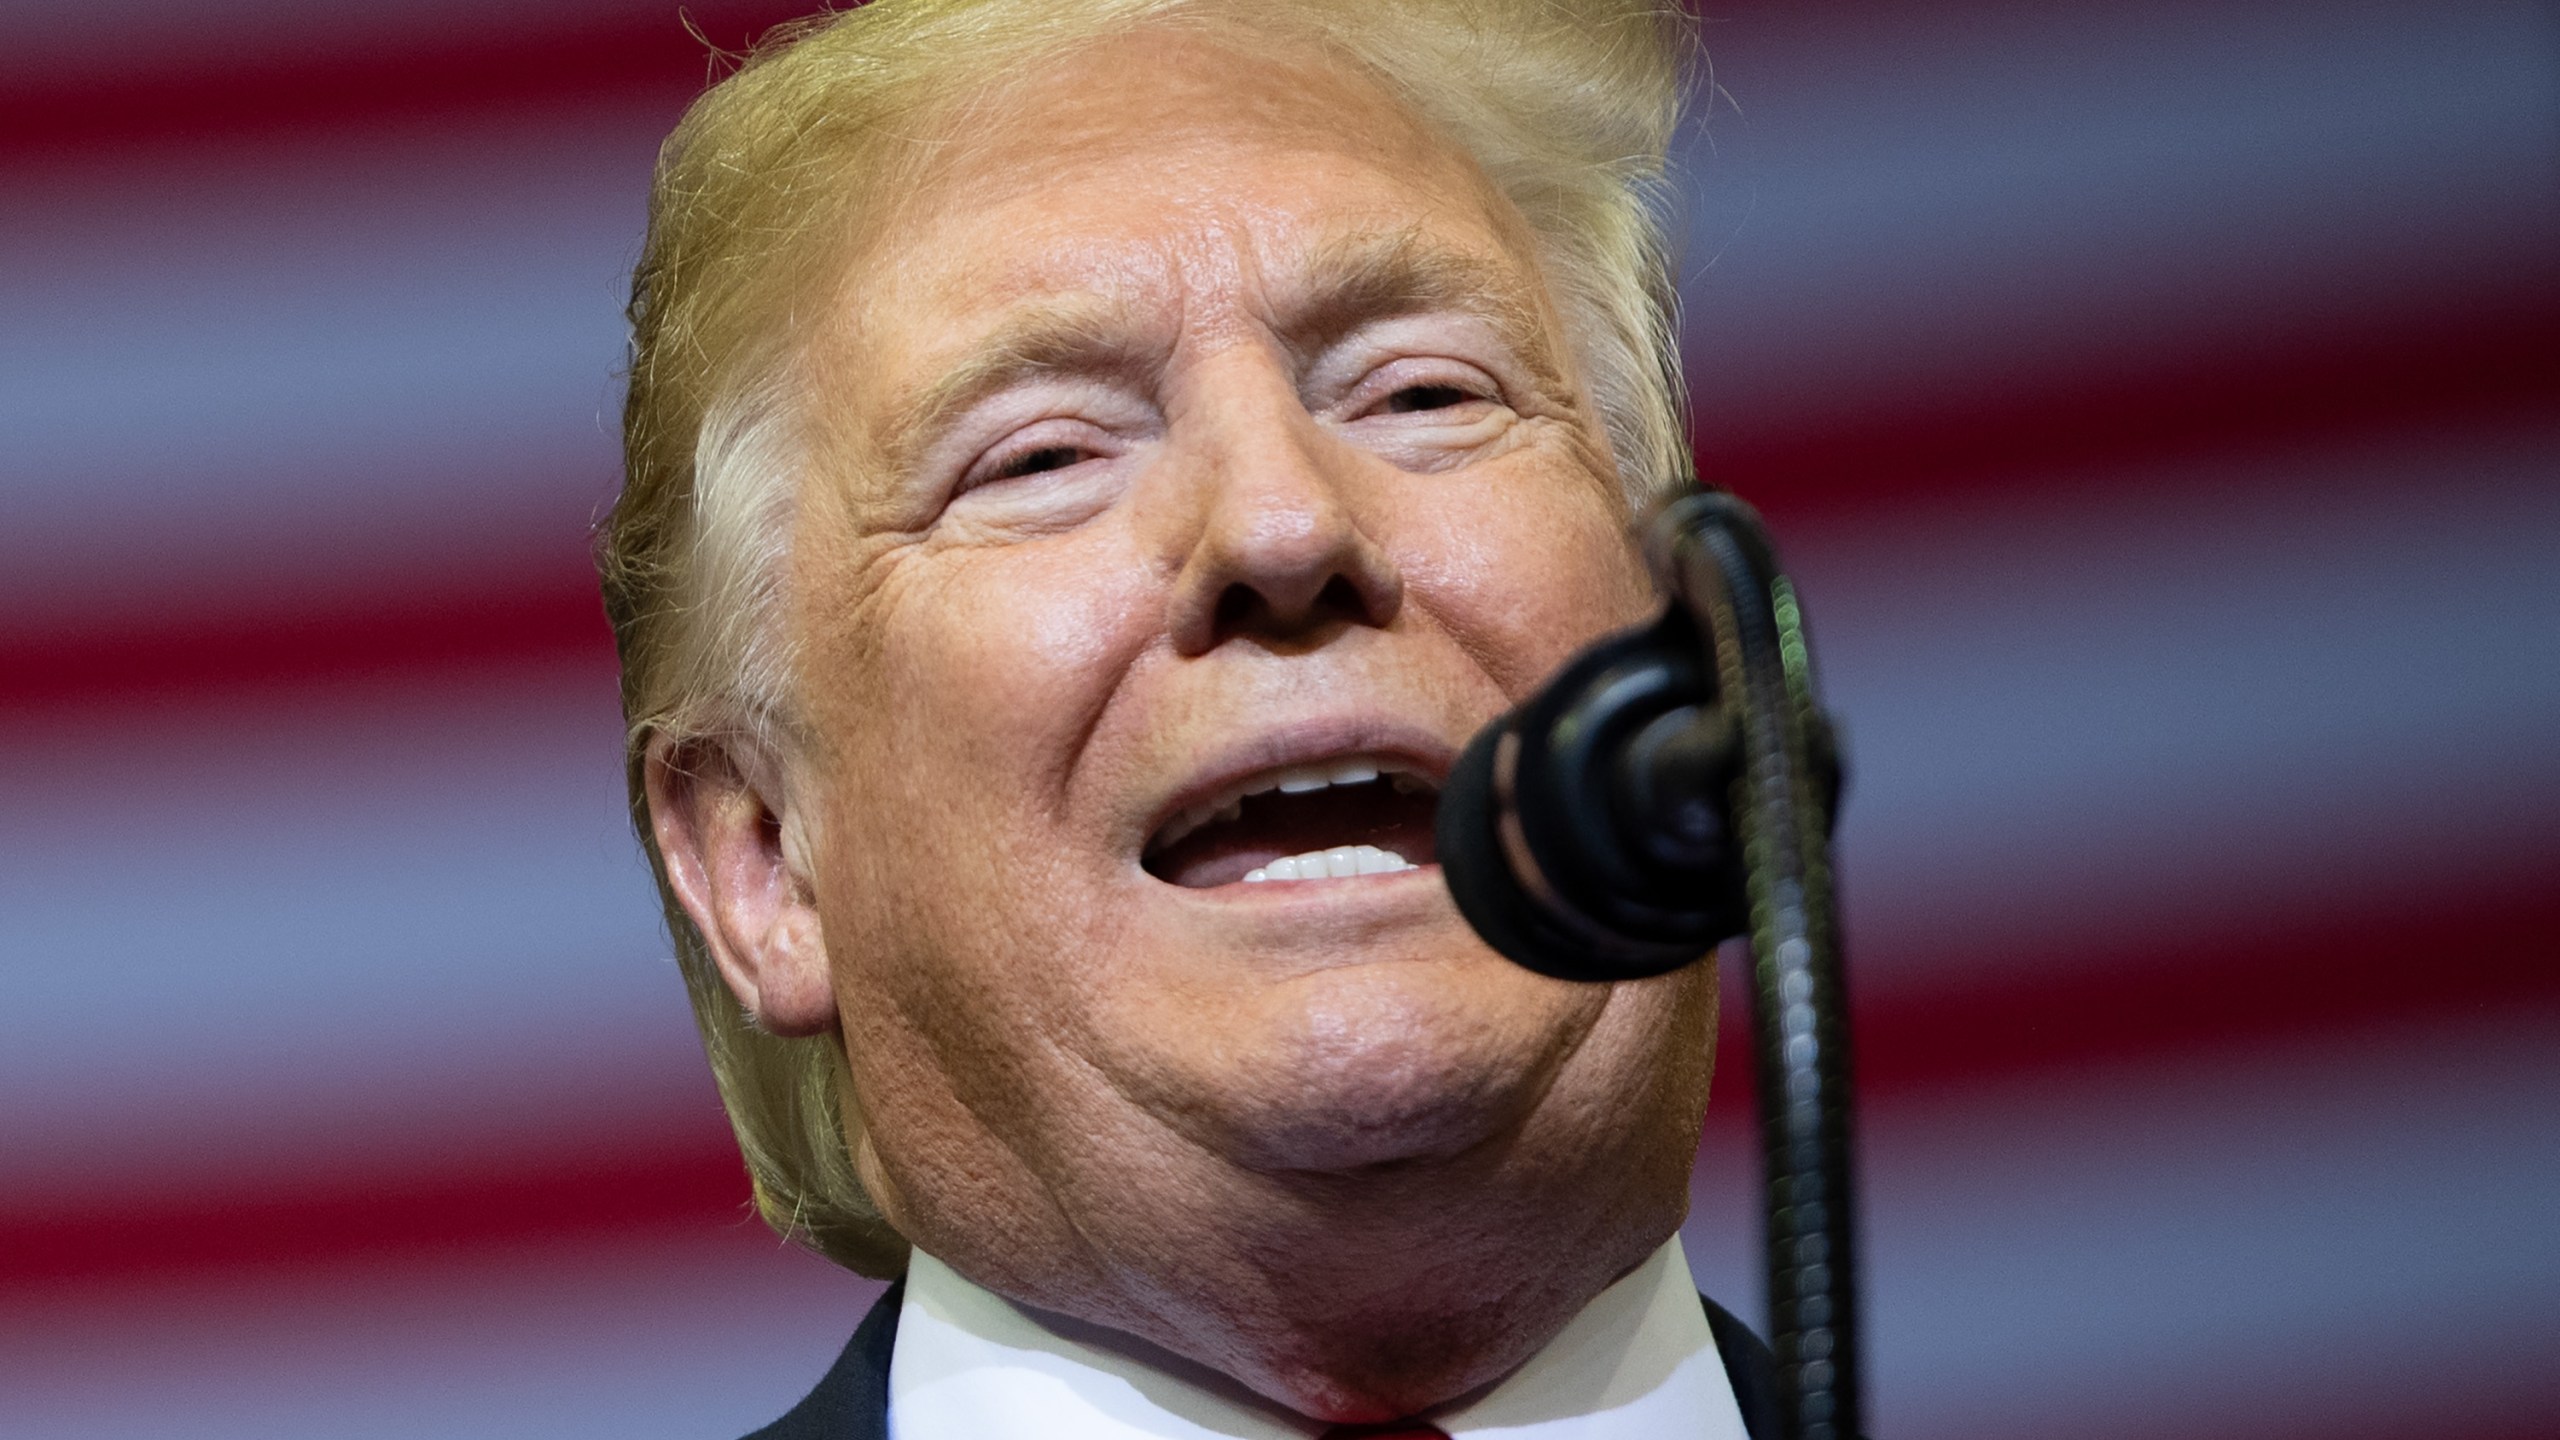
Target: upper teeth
1228,804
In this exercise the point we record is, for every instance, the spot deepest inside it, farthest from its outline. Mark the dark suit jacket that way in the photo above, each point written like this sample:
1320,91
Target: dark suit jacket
852,1403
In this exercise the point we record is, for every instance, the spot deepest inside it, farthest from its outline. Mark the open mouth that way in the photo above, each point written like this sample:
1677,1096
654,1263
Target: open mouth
1332,819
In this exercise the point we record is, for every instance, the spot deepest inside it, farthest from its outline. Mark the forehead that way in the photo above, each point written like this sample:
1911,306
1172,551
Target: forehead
1160,177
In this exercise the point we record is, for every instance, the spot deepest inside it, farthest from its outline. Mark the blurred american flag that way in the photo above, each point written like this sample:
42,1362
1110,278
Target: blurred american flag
2156,402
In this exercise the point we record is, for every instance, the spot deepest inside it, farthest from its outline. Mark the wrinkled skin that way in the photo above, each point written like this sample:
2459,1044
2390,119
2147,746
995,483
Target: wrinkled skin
1304,467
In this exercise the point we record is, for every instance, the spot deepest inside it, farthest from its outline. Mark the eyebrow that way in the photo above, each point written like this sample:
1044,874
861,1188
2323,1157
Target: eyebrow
1359,279
1342,285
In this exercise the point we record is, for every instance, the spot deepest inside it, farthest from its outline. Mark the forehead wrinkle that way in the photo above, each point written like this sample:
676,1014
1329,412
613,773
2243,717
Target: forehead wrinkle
1352,280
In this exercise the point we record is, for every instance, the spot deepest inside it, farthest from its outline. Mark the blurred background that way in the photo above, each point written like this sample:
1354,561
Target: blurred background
2159,403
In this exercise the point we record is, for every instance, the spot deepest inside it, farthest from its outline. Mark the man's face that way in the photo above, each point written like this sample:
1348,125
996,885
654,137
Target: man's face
1199,427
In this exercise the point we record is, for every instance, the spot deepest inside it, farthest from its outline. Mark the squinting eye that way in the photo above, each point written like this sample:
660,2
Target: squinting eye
1426,397
1032,462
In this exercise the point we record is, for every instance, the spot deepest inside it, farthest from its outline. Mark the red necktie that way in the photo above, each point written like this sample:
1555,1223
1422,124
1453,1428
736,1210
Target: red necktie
1392,1430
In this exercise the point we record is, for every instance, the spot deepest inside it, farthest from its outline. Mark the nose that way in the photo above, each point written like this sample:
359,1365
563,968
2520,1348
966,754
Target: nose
1279,552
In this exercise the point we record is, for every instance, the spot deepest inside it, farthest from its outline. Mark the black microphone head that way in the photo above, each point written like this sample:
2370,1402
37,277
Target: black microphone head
1469,847
1542,830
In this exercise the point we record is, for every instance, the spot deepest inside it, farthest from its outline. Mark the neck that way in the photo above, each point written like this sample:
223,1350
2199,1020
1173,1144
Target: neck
969,1362
1370,1296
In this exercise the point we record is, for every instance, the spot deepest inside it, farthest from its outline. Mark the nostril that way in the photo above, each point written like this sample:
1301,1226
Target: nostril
1235,605
1340,597
1242,607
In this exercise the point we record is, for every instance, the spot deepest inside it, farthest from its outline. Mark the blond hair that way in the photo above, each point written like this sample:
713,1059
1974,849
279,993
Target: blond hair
1566,105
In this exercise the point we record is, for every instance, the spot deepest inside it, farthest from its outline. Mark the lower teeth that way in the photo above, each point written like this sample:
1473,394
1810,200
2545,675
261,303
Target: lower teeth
1338,862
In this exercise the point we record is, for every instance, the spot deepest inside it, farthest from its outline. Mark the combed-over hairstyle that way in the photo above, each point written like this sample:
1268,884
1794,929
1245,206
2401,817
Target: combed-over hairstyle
1566,105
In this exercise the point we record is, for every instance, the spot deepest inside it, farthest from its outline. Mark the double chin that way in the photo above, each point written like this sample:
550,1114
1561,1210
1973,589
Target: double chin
1414,1246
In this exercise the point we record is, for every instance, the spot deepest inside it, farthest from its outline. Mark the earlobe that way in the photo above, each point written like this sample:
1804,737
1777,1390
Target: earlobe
721,836
796,995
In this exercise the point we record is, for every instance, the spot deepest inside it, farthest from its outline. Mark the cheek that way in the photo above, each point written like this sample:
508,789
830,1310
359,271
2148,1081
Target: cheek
986,666
1527,570
955,704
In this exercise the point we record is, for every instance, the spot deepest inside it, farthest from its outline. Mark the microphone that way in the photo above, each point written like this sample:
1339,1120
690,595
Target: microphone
1673,787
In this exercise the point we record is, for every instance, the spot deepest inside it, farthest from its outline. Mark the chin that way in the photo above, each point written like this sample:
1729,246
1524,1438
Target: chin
1390,1064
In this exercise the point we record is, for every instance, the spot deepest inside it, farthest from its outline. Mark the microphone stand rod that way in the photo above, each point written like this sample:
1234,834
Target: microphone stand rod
1711,553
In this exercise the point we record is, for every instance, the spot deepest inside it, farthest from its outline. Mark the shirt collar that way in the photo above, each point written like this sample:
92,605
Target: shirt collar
1638,1363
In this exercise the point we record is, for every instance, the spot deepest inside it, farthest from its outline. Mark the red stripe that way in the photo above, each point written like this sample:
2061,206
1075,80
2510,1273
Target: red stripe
585,1189
2495,364
2163,994
555,618
2297,972
647,55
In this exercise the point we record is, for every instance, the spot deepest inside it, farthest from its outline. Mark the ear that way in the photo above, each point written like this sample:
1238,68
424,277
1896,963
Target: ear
730,845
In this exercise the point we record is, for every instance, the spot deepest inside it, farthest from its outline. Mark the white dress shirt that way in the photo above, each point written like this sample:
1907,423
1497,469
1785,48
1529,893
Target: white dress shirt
1637,1364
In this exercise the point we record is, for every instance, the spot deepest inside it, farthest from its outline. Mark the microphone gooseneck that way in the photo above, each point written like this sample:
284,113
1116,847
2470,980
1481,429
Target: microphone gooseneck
1673,787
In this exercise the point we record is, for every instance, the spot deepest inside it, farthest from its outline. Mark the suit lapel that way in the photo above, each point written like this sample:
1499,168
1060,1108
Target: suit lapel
852,1402
1749,1368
